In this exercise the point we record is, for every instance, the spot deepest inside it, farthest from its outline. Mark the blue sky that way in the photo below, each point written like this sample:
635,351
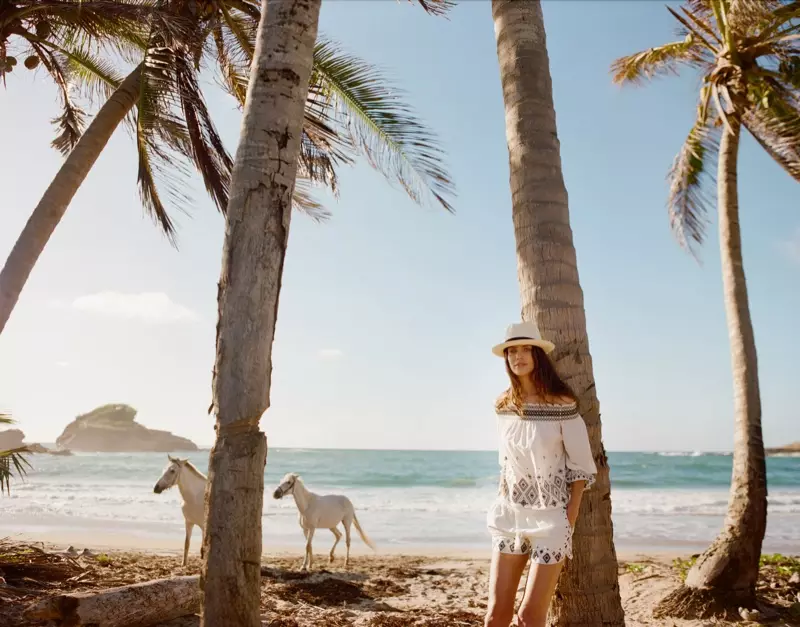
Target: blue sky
389,310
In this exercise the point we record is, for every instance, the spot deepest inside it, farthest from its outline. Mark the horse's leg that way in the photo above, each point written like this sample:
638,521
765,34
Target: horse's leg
305,552
309,551
186,541
338,535
347,522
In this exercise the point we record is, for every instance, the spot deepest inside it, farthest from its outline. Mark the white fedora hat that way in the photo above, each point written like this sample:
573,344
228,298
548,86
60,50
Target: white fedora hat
523,334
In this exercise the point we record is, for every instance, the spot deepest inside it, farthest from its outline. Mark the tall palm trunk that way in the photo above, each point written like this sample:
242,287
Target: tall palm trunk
730,564
256,234
551,294
51,208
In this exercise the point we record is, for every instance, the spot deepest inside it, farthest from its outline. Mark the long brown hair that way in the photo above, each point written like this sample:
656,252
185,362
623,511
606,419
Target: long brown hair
548,385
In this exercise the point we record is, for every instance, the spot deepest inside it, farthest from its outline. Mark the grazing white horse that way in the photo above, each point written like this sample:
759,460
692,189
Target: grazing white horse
192,486
321,512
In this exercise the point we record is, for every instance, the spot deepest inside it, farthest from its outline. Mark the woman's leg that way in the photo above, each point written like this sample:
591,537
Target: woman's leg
504,577
541,585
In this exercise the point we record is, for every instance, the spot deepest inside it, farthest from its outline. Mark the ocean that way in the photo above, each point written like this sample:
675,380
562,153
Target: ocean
404,499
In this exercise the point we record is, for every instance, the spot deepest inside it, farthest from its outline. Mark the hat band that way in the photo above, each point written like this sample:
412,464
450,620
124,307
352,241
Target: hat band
521,337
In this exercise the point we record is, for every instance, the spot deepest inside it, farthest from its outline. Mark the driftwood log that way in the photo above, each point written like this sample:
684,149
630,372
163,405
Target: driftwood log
138,605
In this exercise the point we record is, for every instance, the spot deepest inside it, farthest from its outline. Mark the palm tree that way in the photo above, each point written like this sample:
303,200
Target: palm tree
12,461
749,62
256,234
351,109
551,293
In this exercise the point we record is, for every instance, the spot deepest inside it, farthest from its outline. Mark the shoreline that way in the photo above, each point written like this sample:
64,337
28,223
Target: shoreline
126,543
99,535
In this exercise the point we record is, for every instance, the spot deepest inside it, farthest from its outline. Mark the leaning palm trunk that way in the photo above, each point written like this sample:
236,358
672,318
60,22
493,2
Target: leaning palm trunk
256,234
48,213
551,292
725,575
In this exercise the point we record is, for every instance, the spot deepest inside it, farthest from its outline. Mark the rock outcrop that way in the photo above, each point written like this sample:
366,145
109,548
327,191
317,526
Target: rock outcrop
11,438
783,450
14,438
113,429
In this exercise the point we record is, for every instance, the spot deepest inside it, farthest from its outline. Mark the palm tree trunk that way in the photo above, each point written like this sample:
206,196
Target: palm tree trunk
256,235
51,208
588,592
730,564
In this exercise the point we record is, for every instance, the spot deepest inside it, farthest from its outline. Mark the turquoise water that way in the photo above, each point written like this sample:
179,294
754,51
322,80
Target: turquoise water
404,498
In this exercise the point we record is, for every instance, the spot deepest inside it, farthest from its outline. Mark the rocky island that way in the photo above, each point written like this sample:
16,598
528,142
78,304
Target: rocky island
11,438
113,429
789,449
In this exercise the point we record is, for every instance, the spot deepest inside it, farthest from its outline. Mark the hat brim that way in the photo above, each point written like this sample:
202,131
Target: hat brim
500,349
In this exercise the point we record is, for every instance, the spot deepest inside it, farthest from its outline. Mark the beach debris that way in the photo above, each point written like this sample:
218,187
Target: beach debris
71,551
752,615
20,563
137,605
795,578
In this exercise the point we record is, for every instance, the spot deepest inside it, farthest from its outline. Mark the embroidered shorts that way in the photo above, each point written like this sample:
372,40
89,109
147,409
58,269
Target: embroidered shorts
539,554
545,535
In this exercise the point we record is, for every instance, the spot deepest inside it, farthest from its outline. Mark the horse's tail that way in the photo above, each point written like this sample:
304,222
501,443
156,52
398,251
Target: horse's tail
363,535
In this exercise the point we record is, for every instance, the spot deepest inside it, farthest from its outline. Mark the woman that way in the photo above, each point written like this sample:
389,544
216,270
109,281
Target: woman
546,464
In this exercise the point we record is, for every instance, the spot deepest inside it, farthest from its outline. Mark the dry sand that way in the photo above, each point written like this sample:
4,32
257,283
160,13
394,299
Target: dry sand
376,591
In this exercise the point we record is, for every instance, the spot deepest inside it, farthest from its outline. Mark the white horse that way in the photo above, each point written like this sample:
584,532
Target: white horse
321,512
192,486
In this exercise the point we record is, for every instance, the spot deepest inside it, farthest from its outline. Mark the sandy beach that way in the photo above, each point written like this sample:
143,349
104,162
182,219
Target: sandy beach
428,588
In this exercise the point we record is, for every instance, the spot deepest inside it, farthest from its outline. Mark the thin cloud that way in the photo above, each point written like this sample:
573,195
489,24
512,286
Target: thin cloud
151,307
330,353
791,247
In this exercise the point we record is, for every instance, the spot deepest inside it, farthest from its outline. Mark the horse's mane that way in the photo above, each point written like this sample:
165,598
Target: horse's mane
192,468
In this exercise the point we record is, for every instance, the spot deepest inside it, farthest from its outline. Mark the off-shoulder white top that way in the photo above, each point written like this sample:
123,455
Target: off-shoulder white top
542,451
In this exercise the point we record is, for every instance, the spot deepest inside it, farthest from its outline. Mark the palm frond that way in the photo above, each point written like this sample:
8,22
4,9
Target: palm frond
658,61
72,120
691,176
691,181
157,129
699,18
785,14
747,17
436,7
243,29
95,77
13,462
303,201
694,25
315,163
95,18
232,68
208,153
250,8
774,122
380,125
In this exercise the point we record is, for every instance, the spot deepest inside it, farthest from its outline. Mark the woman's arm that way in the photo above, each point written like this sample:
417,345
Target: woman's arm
574,504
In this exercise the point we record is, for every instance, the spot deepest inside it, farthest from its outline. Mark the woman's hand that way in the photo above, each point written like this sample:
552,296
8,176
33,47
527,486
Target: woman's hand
573,507
574,504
